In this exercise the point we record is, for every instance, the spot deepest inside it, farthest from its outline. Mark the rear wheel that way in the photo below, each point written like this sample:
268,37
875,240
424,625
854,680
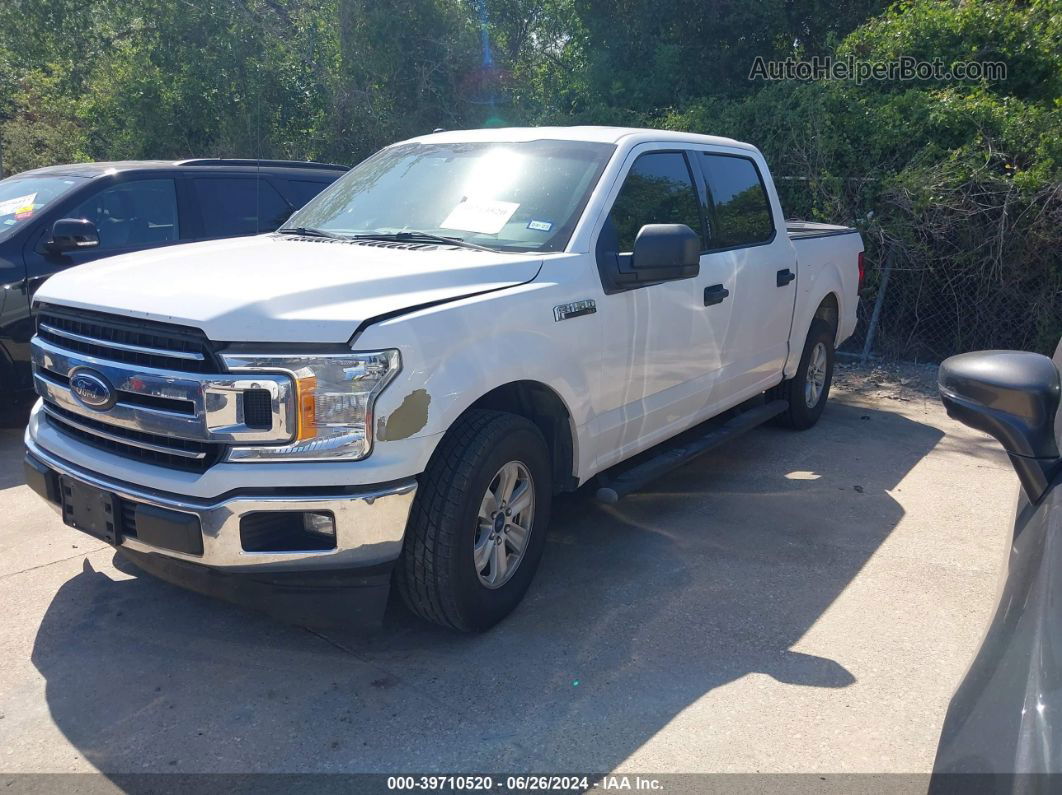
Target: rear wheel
808,390
478,524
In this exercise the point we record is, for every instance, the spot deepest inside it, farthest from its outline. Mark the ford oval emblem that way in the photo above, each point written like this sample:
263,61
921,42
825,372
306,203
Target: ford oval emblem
92,389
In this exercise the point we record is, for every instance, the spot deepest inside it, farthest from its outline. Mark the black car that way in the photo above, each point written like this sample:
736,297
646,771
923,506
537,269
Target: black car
1002,722
56,217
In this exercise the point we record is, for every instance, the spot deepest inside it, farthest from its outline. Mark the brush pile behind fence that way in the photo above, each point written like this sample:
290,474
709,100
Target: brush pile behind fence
956,264
925,313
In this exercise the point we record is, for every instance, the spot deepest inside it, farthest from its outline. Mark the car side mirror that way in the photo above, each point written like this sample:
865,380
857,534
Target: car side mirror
1014,397
71,234
662,252
660,247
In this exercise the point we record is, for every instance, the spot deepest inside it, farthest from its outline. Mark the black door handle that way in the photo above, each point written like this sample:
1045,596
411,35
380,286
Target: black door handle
784,277
715,294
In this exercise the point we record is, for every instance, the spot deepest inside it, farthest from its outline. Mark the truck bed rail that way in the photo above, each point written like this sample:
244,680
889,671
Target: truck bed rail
802,230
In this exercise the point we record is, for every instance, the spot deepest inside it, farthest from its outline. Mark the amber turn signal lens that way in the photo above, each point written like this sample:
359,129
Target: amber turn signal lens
304,388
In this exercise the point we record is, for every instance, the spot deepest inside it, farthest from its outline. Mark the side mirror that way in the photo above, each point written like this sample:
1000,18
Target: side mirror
70,234
666,246
1013,396
662,252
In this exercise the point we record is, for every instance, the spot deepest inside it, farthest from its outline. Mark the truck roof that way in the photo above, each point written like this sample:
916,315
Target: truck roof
611,135
95,169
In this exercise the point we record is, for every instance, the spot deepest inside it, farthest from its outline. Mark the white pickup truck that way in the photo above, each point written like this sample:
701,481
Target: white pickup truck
392,388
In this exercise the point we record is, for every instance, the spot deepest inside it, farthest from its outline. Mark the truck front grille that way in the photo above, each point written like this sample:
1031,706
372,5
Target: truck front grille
164,451
98,339
162,346
127,509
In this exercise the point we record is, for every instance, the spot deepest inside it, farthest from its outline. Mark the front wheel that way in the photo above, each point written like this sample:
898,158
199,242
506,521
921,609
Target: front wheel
808,389
478,524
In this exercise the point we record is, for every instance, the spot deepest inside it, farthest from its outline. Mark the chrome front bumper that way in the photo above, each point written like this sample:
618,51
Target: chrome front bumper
370,522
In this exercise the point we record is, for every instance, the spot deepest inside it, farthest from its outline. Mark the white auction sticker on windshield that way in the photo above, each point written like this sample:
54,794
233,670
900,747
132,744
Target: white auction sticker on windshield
484,216
19,204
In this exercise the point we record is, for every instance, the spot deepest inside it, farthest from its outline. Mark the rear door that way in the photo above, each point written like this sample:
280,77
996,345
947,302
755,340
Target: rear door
300,190
233,205
747,241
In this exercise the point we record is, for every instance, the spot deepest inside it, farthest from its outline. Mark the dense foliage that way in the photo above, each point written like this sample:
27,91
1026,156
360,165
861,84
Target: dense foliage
958,181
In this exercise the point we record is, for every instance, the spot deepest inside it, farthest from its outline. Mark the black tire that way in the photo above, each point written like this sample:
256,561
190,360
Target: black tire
436,574
800,415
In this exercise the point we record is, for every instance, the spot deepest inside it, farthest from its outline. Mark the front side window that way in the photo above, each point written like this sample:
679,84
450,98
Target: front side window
23,198
740,210
512,196
235,206
130,214
658,190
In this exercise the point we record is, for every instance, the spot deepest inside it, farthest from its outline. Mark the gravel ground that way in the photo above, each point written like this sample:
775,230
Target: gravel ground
901,381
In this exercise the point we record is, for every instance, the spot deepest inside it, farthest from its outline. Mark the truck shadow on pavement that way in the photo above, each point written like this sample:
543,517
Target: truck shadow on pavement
638,611
11,466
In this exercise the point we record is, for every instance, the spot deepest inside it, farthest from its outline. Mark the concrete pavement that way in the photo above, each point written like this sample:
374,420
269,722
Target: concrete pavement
790,602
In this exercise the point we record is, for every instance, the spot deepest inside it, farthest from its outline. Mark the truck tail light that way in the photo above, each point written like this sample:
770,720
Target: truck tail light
862,271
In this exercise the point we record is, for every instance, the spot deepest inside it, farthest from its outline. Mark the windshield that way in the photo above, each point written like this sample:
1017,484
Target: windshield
509,196
22,197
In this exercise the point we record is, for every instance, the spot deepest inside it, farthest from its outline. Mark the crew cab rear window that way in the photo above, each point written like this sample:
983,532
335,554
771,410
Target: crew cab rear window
658,190
232,206
739,213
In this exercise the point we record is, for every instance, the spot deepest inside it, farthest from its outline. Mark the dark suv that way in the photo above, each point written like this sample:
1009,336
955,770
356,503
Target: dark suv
56,217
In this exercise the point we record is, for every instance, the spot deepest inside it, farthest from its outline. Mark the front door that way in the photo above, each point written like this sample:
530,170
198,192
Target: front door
660,356
130,215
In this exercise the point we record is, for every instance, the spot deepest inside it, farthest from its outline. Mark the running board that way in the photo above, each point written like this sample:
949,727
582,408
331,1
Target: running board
613,489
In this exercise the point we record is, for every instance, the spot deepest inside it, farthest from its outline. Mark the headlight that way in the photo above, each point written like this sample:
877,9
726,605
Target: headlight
334,397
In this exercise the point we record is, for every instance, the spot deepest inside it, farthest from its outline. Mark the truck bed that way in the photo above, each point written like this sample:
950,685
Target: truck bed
826,251
801,230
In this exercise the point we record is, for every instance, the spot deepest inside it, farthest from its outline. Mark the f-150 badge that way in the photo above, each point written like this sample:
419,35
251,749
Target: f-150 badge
575,309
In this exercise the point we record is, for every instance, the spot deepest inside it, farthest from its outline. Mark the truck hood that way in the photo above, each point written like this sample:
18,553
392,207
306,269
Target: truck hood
273,288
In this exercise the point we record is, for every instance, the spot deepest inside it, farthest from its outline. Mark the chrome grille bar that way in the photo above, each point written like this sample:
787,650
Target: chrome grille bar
123,377
177,451
217,398
122,415
70,335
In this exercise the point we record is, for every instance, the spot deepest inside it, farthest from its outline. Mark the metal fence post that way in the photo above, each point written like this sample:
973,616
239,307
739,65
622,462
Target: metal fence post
872,328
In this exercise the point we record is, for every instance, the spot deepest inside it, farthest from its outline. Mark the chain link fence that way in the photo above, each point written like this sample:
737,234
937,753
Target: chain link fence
977,268
914,311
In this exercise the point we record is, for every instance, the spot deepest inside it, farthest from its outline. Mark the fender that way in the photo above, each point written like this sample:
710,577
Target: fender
353,341
828,280
453,354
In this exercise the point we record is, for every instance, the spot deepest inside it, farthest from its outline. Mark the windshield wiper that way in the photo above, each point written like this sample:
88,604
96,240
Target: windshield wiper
422,237
309,231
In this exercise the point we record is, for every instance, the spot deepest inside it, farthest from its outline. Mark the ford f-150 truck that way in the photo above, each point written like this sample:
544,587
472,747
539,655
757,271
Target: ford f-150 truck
391,388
